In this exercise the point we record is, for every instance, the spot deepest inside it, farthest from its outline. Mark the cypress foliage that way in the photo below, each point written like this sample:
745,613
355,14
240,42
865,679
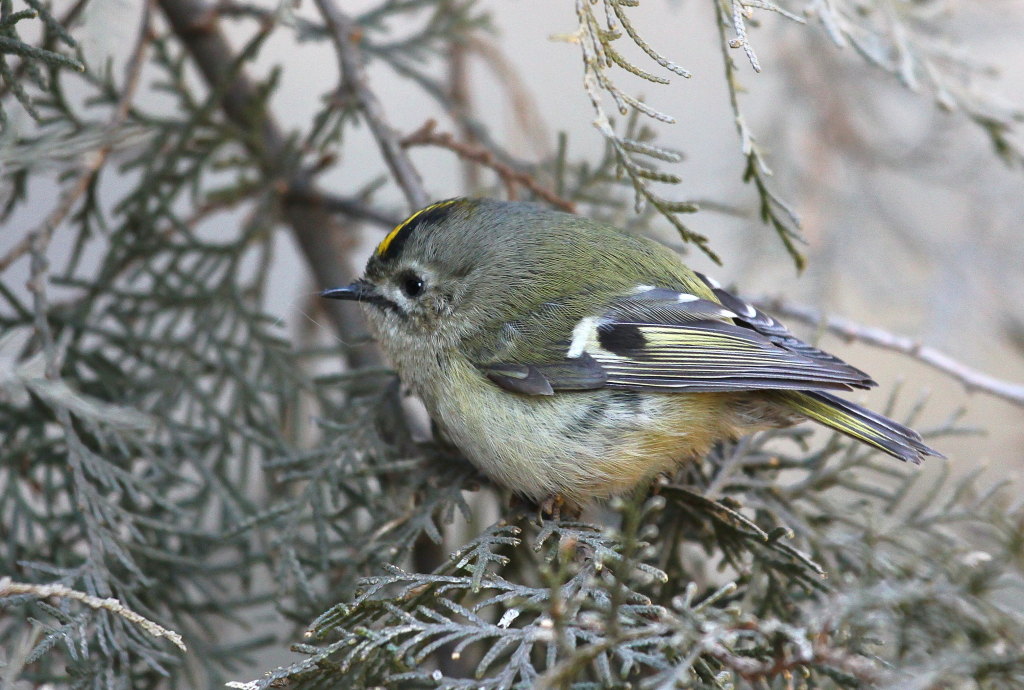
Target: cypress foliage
188,490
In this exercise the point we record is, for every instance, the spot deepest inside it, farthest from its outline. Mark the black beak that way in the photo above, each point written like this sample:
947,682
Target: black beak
359,291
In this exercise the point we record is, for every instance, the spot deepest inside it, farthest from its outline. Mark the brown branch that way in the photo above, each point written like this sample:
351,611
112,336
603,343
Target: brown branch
510,177
972,379
326,245
93,161
346,36
753,670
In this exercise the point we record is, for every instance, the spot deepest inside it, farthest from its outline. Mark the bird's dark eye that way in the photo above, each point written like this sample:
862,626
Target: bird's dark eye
412,285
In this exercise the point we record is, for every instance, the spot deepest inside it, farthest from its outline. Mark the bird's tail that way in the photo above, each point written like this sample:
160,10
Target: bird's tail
860,423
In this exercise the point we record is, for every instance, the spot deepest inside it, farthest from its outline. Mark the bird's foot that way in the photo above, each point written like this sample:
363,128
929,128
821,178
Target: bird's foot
553,507
558,506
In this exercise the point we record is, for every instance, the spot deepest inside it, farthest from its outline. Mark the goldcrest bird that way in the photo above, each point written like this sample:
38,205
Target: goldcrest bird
568,359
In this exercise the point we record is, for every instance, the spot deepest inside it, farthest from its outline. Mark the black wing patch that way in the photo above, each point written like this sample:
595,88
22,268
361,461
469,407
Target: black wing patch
669,341
708,356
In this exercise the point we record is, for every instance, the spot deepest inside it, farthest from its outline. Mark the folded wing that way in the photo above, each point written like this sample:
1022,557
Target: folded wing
657,339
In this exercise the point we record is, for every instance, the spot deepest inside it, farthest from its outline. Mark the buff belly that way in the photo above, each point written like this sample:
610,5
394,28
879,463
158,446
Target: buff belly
579,445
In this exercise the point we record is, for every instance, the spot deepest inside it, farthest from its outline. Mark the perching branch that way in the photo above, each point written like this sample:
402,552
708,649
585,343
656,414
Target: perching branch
511,178
972,379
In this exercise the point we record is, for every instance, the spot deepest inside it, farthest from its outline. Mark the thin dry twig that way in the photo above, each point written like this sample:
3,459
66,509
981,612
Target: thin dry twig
8,588
972,379
93,161
346,35
753,670
510,177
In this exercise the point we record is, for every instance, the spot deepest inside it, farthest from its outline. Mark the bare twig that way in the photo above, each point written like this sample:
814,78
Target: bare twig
427,136
8,588
93,161
972,379
753,670
346,35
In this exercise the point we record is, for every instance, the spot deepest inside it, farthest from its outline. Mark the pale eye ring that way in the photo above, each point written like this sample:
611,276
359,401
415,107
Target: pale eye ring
412,286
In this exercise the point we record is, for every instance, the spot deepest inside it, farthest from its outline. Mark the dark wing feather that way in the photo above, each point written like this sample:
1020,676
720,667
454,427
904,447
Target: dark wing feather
581,373
750,316
658,339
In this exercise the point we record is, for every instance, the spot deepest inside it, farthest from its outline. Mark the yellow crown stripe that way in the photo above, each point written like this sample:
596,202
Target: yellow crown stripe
390,237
